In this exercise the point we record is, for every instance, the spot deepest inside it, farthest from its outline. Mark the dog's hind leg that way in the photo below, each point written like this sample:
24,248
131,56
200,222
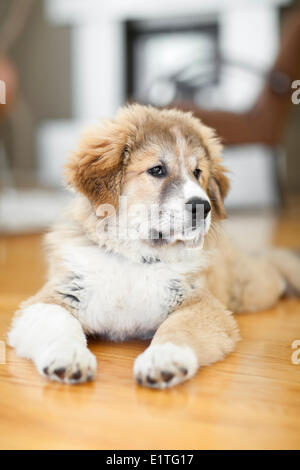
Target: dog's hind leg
260,280
256,284
288,264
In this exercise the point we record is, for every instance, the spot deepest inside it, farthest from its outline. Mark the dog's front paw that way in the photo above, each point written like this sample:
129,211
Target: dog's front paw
165,365
68,363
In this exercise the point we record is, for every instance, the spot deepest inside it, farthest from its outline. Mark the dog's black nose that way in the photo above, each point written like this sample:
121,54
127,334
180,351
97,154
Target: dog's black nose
197,204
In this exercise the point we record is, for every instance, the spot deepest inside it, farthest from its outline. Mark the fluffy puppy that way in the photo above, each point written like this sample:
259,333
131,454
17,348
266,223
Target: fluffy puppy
141,253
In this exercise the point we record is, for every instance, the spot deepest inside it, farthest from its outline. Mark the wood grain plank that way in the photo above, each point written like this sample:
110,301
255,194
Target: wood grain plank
250,400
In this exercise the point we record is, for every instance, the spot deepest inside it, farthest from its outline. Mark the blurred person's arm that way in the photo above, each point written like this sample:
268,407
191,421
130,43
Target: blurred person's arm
8,75
10,31
265,121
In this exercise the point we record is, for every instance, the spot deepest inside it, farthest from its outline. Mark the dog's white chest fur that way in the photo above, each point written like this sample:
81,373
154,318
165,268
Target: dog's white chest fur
120,298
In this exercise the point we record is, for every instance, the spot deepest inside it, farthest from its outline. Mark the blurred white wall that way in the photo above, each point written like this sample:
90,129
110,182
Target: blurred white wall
249,32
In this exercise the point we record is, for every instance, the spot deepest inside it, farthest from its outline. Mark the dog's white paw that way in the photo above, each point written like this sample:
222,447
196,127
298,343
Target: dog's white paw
68,363
165,365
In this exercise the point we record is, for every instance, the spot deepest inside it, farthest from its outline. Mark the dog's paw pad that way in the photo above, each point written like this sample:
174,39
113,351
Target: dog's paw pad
68,363
77,375
165,365
60,372
167,376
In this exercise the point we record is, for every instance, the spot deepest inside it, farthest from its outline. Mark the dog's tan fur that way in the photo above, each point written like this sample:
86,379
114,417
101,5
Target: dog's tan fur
112,160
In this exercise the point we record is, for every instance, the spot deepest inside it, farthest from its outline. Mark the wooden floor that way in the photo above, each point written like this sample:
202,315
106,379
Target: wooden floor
250,400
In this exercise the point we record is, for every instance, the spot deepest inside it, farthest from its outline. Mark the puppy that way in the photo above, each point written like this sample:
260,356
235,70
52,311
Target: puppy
141,253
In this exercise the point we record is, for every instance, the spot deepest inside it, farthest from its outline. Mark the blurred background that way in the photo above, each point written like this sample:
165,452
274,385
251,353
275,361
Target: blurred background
68,63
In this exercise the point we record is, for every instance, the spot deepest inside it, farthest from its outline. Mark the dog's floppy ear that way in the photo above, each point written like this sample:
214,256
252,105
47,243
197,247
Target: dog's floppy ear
218,184
218,187
96,169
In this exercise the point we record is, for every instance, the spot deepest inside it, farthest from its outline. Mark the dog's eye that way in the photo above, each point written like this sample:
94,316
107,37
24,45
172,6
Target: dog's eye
197,173
158,171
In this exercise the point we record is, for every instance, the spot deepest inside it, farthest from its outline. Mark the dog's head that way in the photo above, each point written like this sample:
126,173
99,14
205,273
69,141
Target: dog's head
163,165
